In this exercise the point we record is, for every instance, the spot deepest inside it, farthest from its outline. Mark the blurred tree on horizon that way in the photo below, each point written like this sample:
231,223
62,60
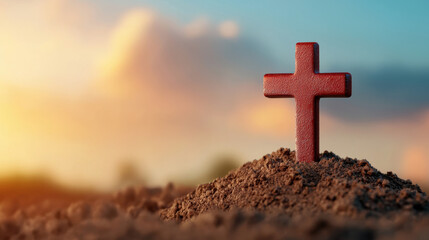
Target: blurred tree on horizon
128,174
222,165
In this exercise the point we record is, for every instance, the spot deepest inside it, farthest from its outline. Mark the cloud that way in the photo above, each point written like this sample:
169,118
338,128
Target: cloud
229,29
191,67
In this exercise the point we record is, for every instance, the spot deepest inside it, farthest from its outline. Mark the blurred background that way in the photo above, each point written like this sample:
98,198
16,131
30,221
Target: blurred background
104,93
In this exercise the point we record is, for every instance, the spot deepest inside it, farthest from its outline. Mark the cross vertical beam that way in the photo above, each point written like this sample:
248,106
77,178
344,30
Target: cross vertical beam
307,129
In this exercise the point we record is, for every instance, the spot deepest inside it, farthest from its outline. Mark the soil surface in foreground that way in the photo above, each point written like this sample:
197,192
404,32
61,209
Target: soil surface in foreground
271,198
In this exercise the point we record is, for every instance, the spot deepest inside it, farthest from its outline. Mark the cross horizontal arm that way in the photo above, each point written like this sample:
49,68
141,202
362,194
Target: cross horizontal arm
333,85
278,85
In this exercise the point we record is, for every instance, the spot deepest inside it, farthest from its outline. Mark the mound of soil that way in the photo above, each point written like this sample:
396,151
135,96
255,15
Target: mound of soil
278,183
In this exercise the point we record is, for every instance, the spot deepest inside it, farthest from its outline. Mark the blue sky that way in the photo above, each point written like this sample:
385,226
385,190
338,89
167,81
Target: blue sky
364,33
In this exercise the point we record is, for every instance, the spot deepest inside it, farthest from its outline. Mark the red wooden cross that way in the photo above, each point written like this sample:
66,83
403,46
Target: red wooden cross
307,86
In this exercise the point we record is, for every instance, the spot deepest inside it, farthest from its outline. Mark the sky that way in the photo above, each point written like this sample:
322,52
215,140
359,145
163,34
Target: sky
171,85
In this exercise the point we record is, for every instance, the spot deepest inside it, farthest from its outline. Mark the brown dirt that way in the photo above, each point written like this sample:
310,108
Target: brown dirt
278,183
271,198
